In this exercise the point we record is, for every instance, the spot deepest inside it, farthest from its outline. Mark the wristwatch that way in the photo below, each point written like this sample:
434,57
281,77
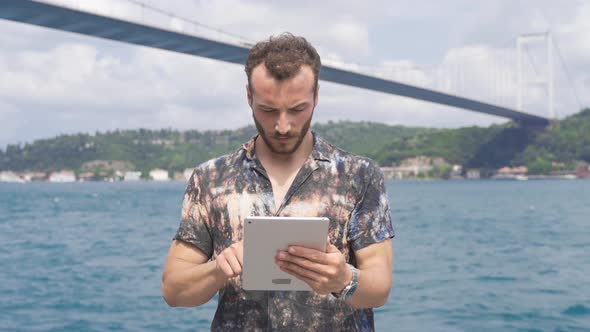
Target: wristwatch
348,291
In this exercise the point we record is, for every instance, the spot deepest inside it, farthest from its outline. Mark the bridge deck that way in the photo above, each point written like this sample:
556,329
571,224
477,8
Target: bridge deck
65,19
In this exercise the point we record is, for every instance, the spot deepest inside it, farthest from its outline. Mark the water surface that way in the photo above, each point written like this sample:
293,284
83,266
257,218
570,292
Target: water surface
469,255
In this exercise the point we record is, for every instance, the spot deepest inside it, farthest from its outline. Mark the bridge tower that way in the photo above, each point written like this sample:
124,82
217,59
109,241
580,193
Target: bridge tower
545,78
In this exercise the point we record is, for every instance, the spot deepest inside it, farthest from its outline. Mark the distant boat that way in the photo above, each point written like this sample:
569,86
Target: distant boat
521,177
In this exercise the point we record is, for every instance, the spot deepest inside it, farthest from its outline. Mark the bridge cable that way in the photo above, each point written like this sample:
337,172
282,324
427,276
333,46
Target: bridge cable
196,23
563,63
567,73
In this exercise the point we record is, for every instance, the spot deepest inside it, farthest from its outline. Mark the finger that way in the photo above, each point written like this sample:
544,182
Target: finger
305,263
224,266
311,254
233,262
330,248
316,277
310,282
241,252
239,246
313,284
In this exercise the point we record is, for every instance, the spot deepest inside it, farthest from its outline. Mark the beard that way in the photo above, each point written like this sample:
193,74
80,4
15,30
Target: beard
278,148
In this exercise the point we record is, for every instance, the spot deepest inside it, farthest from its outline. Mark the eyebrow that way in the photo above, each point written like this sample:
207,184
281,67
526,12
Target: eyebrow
266,106
301,104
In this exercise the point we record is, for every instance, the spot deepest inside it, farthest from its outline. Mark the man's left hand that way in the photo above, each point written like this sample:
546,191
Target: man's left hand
325,272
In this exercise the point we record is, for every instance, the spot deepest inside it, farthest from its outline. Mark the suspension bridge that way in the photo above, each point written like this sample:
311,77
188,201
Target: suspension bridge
138,26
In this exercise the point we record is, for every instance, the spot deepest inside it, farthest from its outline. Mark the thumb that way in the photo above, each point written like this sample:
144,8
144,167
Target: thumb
330,248
240,251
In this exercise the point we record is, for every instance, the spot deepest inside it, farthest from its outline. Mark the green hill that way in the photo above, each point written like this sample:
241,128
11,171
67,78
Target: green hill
567,143
488,148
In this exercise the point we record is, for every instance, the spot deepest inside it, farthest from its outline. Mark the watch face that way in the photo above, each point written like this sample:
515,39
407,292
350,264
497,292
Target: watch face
349,290
353,282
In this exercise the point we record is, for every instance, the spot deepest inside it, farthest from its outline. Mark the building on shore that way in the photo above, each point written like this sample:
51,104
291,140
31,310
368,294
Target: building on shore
178,176
10,176
473,174
415,167
399,172
159,175
132,176
183,176
456,173
109,166
34,176
583,171
188,172
563,174
86,176
62,176
510,173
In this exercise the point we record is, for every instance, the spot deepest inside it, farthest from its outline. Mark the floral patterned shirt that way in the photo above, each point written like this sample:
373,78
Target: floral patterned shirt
332,183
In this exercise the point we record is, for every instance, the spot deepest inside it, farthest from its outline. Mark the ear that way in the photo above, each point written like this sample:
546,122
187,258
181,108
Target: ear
249,94
316,97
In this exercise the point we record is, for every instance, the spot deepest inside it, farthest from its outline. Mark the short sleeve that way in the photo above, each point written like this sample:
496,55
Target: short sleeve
371,218
193,223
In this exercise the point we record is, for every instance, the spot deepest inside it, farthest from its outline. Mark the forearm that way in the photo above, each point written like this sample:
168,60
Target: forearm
372,289
191,285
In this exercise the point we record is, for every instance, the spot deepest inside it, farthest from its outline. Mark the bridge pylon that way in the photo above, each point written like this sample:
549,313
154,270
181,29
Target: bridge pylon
545,78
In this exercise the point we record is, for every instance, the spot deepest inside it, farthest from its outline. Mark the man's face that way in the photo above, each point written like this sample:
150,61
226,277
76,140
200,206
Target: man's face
282,110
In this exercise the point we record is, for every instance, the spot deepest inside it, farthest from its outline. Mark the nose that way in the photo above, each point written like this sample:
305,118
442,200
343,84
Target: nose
283,124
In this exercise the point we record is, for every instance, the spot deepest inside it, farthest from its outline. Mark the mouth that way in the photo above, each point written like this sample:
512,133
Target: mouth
282,139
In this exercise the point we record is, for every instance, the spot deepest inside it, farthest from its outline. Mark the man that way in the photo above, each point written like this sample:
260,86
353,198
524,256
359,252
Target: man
285,170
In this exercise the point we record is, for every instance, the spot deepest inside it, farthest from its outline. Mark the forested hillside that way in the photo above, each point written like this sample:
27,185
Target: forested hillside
566,143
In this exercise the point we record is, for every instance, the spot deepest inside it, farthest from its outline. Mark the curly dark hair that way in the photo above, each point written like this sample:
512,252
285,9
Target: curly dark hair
283,56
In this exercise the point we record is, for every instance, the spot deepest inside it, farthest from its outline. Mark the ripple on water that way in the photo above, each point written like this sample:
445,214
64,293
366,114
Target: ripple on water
547,271
469,261
496,279
577,310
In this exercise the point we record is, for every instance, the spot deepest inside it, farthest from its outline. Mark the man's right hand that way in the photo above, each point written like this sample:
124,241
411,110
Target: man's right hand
230,261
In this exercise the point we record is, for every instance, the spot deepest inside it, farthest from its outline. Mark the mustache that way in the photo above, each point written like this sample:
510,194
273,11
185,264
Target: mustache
277,135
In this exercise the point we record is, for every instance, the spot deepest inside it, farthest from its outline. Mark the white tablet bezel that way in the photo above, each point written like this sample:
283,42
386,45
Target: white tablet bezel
265,236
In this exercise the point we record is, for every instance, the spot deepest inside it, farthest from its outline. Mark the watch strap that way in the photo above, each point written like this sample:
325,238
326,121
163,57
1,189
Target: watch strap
348,291
352,286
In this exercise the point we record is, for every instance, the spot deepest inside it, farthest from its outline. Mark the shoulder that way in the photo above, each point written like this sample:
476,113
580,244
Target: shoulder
347,162
217,168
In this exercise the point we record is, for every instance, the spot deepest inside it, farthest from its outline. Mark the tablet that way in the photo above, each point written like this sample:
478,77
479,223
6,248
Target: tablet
265,236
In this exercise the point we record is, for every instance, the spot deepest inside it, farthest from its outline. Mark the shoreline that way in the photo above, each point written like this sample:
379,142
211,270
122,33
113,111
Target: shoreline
530,178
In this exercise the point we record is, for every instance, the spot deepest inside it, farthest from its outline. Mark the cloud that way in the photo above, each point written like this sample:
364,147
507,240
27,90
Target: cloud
75,87
348,35
78,75
63,82
339,102
11,121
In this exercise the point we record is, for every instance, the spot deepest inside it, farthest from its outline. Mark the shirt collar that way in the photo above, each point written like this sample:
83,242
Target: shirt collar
321,150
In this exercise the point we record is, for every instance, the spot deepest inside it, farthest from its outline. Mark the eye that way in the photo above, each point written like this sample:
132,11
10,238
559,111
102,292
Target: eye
268,110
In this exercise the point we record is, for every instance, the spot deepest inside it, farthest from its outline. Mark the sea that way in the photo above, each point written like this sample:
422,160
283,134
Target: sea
468,256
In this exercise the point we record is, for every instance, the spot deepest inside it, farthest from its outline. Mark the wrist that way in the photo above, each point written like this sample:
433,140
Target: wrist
348,291
348,275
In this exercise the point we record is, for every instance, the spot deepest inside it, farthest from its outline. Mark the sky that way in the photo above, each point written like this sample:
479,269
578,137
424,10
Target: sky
54,82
